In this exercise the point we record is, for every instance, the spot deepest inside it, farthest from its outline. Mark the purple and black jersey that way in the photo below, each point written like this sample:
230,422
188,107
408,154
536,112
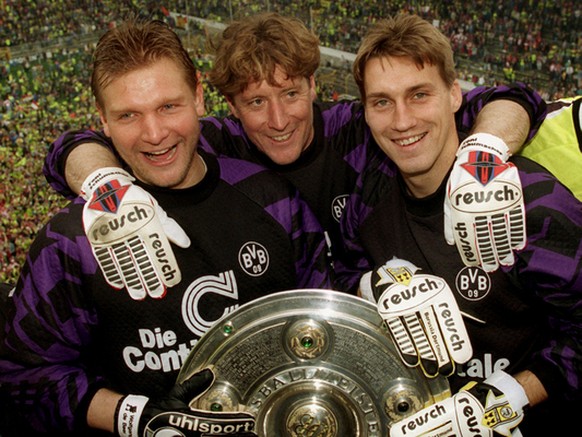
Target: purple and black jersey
524,317
68,333
326,173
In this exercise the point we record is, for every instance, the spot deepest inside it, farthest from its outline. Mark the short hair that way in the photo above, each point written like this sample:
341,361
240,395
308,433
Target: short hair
406,36
251,48
134,44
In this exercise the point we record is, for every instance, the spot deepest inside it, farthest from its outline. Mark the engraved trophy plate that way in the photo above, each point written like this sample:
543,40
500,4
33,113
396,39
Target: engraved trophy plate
310,362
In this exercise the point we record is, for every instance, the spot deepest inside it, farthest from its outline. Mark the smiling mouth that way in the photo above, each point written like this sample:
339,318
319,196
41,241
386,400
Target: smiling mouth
281,138
410,140
160,154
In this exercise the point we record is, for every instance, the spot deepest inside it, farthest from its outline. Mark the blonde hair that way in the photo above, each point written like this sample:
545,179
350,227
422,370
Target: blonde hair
136,44
251,48
406,36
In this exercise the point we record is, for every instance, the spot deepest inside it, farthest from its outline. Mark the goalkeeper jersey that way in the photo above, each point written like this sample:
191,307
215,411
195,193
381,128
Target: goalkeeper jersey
327,171
558,143
524,317
69,333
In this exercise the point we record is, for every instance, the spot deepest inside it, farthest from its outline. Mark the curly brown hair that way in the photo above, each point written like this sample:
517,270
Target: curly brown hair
250,49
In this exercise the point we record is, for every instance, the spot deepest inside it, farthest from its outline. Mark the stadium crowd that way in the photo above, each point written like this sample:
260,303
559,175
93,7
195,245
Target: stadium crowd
45,48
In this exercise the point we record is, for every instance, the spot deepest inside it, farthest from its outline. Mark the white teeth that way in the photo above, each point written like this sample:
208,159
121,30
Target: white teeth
408,141
160,152
282,137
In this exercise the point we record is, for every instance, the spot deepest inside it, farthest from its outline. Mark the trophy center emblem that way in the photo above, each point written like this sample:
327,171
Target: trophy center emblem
312,421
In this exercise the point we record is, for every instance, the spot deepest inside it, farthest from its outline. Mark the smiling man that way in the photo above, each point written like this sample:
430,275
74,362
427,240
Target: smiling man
523,321
277,119
153,124
86,351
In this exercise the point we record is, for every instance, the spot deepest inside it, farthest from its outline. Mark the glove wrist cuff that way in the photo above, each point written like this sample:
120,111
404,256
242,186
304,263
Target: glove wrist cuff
511,388
127,415
485,142
102,176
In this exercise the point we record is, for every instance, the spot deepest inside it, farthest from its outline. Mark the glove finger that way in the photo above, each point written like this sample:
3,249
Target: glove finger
517,219
139,274
428,361
117,264
484,246
157,259
517,227
499,229
172,229
449,237
454,332
431,326
465,238
175,233
403,342
194,386
108,266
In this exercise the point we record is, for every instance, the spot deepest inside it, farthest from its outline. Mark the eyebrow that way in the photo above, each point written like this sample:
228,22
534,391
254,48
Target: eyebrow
411,90
262,95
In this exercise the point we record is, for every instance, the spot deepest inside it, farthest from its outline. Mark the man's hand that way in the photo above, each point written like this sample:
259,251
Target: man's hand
484,208
489,408
130,234
139,416
422,316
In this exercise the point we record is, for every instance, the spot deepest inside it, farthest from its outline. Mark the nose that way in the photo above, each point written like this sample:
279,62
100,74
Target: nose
278,117
153,129
403,118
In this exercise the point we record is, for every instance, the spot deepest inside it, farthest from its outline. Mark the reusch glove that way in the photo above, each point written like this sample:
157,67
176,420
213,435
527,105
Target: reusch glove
422,316
139,416
484,206
130,234
489,408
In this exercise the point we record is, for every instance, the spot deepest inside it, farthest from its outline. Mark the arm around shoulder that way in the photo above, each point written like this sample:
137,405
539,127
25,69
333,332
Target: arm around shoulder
84,160
89,150
505,119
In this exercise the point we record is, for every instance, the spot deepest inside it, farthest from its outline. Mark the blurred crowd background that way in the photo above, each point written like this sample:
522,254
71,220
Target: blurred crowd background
46,46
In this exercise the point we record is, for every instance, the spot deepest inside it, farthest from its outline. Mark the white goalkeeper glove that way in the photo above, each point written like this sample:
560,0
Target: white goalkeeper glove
130,234
139,416
484,207
492,407
422,316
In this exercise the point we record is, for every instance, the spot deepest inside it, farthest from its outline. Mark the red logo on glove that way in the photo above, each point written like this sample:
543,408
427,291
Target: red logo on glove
484,167
108,197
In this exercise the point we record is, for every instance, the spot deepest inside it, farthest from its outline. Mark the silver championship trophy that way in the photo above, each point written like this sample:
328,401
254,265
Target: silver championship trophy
310,363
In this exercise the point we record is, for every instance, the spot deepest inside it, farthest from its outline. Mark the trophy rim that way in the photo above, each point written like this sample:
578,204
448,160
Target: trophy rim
323,312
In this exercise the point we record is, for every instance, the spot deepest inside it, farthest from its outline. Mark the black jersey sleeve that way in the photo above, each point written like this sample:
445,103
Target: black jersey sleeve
550,267
54,163
48,329
477,98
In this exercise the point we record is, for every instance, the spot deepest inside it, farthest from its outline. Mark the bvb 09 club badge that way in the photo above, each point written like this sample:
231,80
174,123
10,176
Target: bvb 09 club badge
310,363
